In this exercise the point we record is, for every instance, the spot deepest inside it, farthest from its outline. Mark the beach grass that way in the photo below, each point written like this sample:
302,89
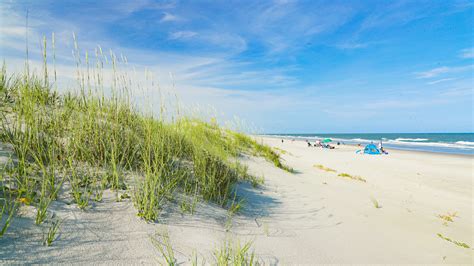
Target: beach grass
95,138
235,254
448,217
457,243
162,242
7,211
345,175
353,177
227,253
375,203
324,168
51,235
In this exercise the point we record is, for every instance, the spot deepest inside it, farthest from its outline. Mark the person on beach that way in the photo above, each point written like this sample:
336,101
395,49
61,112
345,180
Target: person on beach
327,146
382,150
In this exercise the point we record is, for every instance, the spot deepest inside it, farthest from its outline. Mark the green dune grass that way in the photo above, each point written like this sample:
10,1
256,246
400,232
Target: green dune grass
93,142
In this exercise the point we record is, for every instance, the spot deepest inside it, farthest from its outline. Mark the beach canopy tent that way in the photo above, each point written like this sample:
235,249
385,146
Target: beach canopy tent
326,140
371,149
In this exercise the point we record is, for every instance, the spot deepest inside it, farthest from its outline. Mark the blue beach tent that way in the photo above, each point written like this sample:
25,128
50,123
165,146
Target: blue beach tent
371,149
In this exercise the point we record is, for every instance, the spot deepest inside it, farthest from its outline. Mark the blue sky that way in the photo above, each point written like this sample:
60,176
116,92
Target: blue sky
283,66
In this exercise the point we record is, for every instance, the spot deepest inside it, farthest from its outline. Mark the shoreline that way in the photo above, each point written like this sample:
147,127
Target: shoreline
390,147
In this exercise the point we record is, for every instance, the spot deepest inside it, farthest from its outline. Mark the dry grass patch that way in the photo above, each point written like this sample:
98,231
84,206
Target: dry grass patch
457,243
324,168
358,178
448,217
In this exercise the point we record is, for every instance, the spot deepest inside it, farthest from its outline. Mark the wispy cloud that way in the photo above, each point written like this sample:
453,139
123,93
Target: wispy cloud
440,80
168,17
182,35
467,53
458,91
288,25
269,61
433,72
352,45
442,70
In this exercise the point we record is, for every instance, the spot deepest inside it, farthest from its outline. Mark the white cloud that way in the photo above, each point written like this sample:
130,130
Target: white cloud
250,89
127,7
13,31
467,53
286,25
442,70
458,92
440,80
167,17
433,72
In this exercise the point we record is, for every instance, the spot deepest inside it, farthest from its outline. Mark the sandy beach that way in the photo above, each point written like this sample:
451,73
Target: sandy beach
333,219
171,133
390,212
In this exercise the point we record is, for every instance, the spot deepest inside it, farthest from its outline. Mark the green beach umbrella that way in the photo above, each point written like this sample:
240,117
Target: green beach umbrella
327,140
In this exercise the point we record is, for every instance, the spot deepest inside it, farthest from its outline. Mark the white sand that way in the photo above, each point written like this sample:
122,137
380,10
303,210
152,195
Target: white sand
312,217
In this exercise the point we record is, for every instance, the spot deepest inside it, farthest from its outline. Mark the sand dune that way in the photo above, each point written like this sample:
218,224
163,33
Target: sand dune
312,217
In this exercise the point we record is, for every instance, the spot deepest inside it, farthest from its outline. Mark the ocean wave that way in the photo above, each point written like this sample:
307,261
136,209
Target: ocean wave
403,143
291,137
361,140
462,145
466,143
411,140
433,144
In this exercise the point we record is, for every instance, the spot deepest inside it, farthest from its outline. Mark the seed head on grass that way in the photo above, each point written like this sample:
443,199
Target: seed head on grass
98,133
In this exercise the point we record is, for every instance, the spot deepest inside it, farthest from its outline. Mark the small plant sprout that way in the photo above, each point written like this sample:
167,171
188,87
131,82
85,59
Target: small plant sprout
162,242
236,206
8,209
257,181
375,203
51,235
234,254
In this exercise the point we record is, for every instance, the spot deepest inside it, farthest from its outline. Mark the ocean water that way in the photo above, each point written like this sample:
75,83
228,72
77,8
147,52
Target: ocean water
456,143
